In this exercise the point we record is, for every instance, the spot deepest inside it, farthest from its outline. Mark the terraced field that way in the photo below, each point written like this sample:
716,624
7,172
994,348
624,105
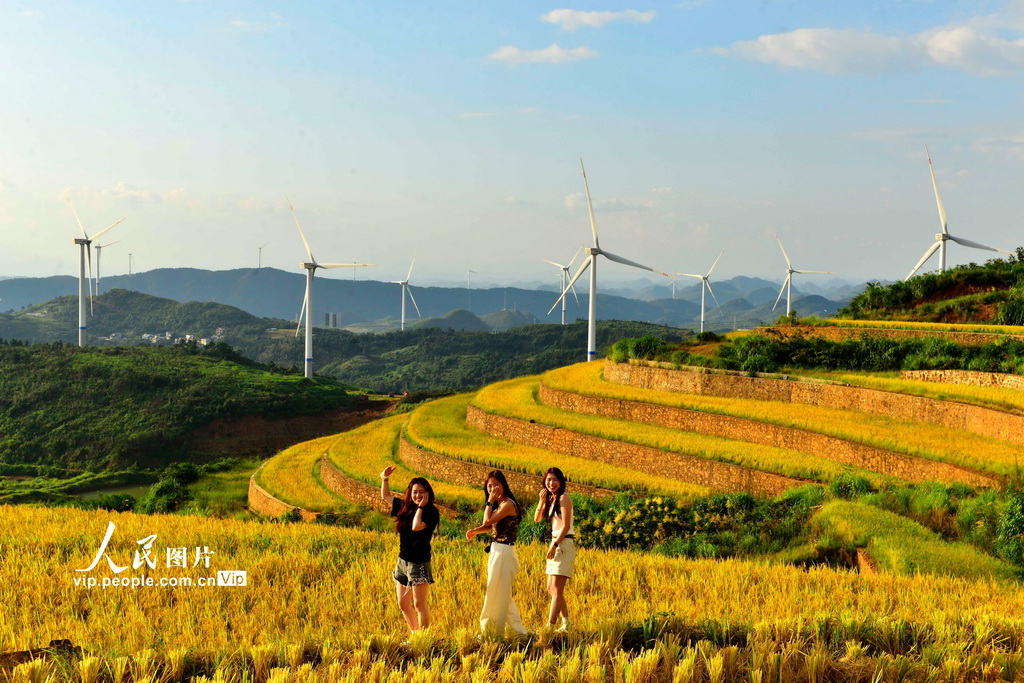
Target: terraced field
683,433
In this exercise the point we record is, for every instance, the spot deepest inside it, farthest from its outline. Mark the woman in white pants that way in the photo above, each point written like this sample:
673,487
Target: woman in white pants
502,515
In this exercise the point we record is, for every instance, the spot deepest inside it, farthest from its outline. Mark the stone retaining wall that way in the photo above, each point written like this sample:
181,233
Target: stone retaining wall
976,419
836,333
860,455
350,489
358,492
701,471
473,474
263,503
977,379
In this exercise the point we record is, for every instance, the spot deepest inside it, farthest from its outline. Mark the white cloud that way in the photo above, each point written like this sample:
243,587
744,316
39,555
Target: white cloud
662,190
476,114
570,20
978,46
552,54
1011,145
29,13
824,49
257,27
514,201
528,110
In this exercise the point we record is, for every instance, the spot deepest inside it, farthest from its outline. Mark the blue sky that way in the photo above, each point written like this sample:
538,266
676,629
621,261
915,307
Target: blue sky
452,132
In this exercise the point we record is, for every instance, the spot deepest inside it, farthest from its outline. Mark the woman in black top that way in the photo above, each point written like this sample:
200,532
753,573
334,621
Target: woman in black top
416,519
502,515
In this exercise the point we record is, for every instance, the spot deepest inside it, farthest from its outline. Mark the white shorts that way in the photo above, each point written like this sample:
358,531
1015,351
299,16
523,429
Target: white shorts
565,558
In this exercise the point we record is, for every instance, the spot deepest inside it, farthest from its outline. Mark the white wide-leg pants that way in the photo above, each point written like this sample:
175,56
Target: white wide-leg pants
499,608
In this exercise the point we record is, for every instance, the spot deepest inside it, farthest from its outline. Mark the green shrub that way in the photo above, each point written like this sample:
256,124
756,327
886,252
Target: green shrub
1010,542
849,486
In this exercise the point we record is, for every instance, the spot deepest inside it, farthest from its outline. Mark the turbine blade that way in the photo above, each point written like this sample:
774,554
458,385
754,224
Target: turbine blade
627,262
784,254
784,283
927,255
583,267
68,200
302,312
88,254
413,299
699,277
590,207
309,252
717,305
977,245
569,265
715,263
409,274
557,264
108,244
938,199
97,235
344,265
575,295
815,272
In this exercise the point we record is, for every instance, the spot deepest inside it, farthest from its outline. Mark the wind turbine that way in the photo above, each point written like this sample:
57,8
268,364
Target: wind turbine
99,252
787,286
942,237
469,289
307,303
85,252
705,285
259,256
406,290
565,278
591,262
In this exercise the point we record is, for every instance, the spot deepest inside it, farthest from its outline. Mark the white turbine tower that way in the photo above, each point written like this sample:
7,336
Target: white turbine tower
307,303
405,291
591,262
565,278
469,289
259,256
942,237
705,286
85,253
99,252
787,286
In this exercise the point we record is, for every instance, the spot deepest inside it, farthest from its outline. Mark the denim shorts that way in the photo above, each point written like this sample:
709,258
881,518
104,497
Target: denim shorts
412,573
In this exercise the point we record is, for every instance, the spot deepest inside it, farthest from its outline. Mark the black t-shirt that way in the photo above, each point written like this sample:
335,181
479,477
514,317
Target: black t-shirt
414,546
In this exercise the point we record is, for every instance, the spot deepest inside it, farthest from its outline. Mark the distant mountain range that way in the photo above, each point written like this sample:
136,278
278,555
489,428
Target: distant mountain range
369,305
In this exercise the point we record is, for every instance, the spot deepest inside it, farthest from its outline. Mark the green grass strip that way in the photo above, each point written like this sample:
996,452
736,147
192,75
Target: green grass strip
901,546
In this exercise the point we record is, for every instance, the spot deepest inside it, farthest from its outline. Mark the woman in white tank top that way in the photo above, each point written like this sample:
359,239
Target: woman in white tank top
555,504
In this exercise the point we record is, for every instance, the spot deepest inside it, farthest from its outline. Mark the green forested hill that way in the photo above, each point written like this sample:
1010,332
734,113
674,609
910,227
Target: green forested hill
111,407
448,360
992,293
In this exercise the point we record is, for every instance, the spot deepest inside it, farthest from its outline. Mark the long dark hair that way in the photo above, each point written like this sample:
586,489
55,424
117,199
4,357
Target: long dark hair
500,476
403,520
557,509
